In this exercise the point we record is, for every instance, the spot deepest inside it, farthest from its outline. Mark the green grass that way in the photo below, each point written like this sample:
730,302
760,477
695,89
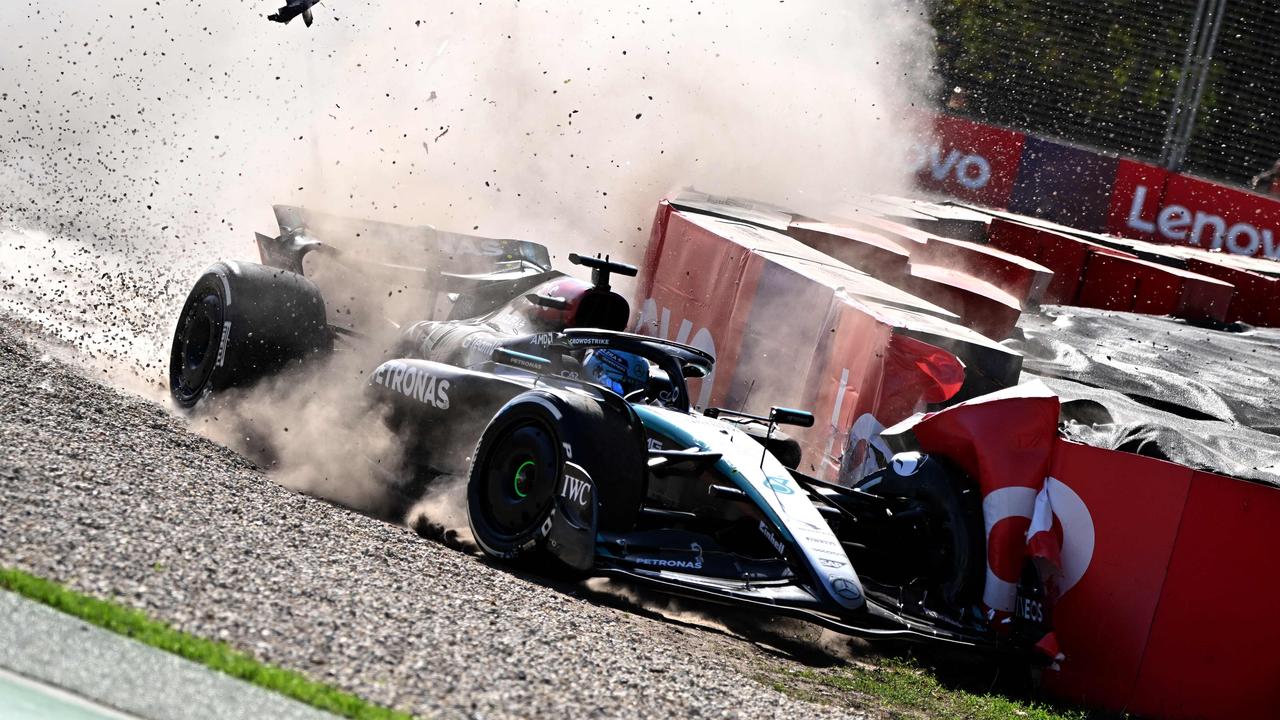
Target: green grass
216,655
906,691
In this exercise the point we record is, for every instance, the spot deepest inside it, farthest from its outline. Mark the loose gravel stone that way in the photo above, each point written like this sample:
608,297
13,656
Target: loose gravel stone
112,495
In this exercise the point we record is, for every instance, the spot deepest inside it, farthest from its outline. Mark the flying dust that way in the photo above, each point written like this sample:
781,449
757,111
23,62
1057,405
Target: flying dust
139,142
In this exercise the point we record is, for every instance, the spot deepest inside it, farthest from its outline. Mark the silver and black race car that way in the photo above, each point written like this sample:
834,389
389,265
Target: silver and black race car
582,451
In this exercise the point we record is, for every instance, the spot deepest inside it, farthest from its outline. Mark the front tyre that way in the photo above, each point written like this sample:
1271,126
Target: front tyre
511,492
241,322
956,546
551,469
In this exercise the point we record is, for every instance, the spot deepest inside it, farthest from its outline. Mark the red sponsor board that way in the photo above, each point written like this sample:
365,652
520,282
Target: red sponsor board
969,160
1136,192
1191,211
1063,183
984,164
1123,539
1212,648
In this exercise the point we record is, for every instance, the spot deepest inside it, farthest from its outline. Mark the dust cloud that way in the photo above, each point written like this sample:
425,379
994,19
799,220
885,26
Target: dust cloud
315,430
141,141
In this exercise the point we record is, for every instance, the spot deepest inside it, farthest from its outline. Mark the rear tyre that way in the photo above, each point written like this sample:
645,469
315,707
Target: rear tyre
241,322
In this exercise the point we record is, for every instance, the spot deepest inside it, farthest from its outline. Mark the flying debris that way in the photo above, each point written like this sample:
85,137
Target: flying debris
294,8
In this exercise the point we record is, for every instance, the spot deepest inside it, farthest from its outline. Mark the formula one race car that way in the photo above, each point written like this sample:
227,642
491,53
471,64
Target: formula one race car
582,451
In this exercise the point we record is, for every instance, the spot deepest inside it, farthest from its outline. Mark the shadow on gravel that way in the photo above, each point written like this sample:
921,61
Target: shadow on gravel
781,642
787,640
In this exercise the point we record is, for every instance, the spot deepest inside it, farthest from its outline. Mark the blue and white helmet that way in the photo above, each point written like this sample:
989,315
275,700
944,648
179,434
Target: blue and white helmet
621,372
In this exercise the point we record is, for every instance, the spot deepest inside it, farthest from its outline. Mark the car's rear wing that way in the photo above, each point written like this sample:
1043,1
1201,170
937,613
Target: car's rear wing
419,248
375,275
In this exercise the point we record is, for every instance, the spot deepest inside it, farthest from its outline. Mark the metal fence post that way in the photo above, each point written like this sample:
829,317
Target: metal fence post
1196,65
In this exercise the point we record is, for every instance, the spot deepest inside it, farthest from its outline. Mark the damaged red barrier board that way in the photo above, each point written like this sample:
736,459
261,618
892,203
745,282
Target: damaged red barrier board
792,326
1017,275
1257,297
865,250
1065,255
1159,571
982,306
986,287
1091,274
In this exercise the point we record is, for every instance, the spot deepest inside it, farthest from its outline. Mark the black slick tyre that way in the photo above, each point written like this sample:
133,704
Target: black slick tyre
241,322
955,504
519,465
514,475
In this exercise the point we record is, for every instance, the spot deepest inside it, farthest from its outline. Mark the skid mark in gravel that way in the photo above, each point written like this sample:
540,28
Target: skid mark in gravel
108,493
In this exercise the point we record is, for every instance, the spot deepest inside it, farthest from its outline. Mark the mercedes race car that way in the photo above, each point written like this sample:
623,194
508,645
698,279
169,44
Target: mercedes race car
581,449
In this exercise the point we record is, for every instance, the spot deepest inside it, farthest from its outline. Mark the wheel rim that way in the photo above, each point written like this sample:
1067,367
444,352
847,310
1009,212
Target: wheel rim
196,348
520,477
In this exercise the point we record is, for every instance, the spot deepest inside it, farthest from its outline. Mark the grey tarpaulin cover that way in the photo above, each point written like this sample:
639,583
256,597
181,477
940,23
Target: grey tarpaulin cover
1206,398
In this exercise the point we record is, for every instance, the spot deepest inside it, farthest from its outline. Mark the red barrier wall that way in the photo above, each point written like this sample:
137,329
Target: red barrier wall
1212,648
1133,508
1173,617
791,326
1146,202
969,160
1113,282
1165,576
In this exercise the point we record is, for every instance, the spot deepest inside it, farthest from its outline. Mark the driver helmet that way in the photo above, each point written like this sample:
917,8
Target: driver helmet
621,372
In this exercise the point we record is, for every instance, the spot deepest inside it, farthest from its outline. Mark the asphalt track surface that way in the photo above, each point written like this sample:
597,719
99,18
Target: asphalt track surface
24,699
112,495
66,669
